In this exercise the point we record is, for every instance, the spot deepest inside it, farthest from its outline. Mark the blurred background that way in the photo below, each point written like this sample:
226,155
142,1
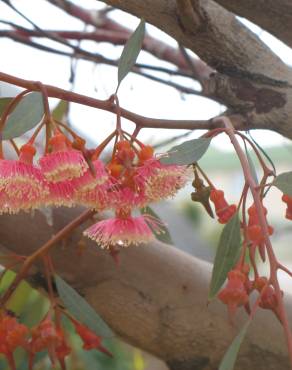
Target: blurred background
191,228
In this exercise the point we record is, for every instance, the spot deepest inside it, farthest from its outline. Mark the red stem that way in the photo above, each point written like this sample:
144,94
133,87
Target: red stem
110,106
263,223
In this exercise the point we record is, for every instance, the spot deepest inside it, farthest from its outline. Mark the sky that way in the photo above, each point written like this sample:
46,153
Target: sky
137,94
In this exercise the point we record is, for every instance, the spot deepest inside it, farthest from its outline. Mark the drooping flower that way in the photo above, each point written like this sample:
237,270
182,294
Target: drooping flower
60,194
123,230
63,162
124,197
97,198
160,181
12,335
88,181
90,339
22,183
224,211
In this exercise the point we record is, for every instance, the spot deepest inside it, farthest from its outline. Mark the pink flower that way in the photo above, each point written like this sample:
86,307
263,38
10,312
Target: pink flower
161,181
63,163
60,194
126,198
22,183
123,230
88,181
96,198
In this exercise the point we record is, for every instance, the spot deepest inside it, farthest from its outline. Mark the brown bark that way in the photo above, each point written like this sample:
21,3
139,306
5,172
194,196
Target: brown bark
155,300
213,33
273,16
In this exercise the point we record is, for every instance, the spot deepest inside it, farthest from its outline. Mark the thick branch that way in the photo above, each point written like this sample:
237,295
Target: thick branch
155,300
273,16
218,37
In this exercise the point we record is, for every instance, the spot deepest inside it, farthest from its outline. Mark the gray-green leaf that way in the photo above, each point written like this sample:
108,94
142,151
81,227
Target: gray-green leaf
284,183
26,115
226,255
60,110
230,356
186,153
131,51
3,104
252,167
81,310
163,235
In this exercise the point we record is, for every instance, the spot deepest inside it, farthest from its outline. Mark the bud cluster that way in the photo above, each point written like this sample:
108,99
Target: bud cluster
48,335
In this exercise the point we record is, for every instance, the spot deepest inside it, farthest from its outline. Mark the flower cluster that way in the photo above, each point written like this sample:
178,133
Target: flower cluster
48,336
68,176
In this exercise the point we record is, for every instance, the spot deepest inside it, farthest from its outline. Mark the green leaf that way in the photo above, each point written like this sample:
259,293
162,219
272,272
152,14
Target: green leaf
164,235
188,152
226,255
284,183
26,115
230,356
131,51
252,167
60,111
3,104
81,310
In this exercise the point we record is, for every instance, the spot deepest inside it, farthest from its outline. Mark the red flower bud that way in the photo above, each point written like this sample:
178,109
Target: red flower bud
12,335
288,200
146,153
234,294
44,337
224,211
254,231
90,339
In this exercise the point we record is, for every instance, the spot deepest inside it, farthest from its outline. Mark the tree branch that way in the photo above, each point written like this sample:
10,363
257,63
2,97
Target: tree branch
155,300
109,106
273,16
219,39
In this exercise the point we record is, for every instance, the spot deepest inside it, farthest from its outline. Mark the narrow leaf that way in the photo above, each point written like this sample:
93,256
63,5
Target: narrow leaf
131,51
230,356
60,111
3,104
81,310
26,115
226,255
186,153
252,167
163,235
284,183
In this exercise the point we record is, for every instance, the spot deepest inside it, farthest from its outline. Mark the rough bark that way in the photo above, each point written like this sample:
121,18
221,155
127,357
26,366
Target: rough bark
155,300
213,33
273,16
